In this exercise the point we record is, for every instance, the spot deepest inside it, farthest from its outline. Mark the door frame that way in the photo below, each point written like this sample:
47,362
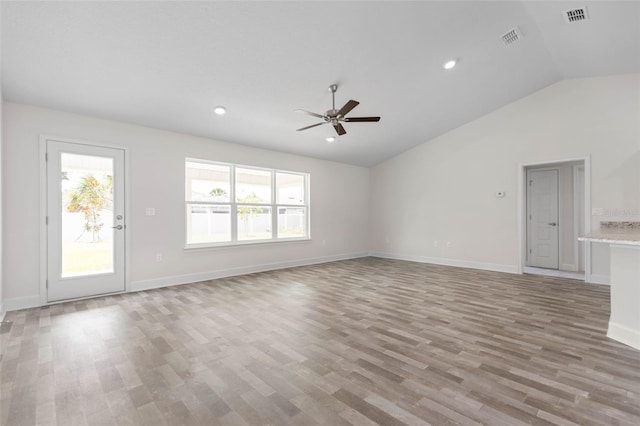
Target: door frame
43,212
559,226
576,214
522,209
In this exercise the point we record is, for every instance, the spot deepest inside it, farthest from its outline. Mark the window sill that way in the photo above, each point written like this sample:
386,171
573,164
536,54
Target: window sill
199,247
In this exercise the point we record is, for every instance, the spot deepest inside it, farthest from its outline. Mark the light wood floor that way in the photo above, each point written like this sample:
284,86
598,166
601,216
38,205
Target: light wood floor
357,342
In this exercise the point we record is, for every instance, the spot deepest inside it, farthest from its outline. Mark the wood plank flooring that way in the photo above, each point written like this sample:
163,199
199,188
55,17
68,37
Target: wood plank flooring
358,342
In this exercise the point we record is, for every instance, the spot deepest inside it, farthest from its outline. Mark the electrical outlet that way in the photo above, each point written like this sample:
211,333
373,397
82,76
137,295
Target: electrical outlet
150,211
158,257
435,243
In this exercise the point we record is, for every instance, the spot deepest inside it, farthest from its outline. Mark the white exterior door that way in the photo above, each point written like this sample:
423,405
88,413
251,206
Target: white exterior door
85,220
542,218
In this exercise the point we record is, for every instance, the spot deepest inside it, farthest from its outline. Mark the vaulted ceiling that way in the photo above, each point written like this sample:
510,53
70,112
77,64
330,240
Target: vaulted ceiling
167,64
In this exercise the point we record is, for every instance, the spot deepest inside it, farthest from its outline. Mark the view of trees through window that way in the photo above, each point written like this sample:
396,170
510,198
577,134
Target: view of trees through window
86,185
226,204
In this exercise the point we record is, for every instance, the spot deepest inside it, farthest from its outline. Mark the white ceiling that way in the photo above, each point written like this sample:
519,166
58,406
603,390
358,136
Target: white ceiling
167,64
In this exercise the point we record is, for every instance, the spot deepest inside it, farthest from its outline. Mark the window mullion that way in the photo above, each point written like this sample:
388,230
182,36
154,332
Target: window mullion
234,205
274,207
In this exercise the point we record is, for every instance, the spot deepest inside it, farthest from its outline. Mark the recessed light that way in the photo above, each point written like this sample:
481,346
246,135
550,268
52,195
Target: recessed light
330,139
449,64
220,110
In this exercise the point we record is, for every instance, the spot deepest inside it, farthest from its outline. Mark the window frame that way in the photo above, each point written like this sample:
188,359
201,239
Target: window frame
233,206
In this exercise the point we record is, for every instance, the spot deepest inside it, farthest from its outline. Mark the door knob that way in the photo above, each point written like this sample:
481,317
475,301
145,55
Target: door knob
552,223
117,227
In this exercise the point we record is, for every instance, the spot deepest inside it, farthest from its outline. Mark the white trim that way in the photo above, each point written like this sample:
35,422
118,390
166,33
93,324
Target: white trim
2,312
43,217
522,217
560,221
624,334
496,267
587,218
18,303
226,245
522,241
599,279
231,272
553,273
576,217
43,208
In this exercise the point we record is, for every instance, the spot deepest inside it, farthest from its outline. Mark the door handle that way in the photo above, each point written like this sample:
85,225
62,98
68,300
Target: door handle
552,223
118,227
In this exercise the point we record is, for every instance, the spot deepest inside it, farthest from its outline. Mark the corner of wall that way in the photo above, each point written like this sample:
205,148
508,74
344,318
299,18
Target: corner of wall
598,279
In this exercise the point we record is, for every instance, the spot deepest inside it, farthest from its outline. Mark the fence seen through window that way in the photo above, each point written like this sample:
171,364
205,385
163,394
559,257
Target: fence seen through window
233,204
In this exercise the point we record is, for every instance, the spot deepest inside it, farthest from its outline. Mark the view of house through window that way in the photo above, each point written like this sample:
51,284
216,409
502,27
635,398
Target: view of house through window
227,204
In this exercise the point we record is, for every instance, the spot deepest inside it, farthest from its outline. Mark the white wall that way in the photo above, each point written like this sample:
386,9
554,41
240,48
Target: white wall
443,190
339,203
2,310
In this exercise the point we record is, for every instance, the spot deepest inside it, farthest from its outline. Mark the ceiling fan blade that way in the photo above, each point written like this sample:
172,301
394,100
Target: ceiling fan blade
360,119
339,129
311,113
313,125
348,107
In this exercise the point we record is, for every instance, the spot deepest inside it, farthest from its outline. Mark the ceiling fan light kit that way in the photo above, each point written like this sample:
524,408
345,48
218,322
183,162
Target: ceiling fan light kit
336,117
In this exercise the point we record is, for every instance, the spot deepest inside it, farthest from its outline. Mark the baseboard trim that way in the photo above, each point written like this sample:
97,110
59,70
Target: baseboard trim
553,273
624,334
231,272
2,312
598,279
495,267
18,303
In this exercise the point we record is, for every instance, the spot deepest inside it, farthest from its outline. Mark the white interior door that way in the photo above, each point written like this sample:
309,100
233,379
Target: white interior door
85,220
542,215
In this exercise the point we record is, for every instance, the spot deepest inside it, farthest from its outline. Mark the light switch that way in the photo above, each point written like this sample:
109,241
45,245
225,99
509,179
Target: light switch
150,211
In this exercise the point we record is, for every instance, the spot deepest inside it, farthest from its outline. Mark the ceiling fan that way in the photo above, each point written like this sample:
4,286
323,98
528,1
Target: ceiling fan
336,116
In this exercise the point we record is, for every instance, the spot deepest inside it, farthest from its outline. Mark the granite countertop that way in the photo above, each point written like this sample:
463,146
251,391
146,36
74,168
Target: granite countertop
615,236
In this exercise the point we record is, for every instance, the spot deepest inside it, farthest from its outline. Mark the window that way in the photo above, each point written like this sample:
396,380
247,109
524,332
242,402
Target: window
230,204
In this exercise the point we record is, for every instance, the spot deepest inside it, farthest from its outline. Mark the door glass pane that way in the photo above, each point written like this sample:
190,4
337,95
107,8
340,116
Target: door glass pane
86,184
254,223
208,223
253,186
292,222
207,182
289,188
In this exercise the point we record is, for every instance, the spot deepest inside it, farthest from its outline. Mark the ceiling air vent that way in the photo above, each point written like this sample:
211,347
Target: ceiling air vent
511,37
576,15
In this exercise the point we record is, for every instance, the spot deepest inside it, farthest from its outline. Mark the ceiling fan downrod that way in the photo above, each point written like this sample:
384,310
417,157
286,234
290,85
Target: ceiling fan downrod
333,88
